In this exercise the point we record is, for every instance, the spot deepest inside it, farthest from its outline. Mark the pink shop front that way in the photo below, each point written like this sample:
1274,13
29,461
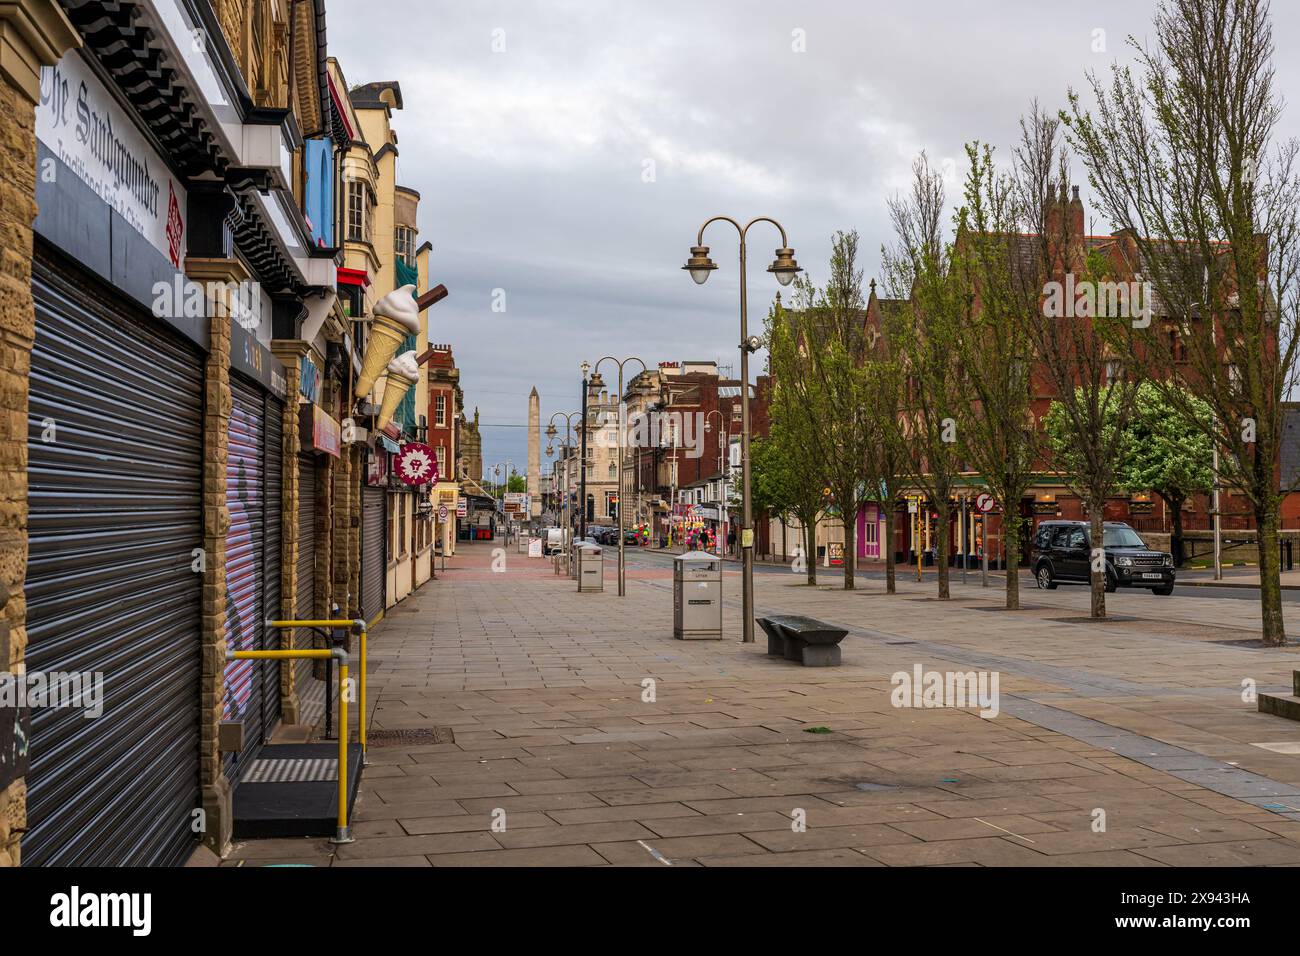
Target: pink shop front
871,531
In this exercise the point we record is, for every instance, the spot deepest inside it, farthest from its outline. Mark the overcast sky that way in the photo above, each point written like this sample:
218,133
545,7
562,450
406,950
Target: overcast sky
533,160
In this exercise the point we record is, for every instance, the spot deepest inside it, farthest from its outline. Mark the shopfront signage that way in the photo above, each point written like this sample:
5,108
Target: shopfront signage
318,430
417,464
82,124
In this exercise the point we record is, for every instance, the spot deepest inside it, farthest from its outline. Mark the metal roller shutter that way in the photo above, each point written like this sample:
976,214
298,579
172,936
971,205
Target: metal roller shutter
373,533
245,568
274,446
306,597
115,499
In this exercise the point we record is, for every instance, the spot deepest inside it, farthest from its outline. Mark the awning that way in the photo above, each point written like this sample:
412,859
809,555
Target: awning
390,445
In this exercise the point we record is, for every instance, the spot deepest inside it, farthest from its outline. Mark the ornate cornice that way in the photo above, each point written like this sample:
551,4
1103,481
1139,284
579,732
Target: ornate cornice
33,34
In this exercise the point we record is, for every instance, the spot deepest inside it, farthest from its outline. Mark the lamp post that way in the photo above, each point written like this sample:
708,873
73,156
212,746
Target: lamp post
722,475
784,267
622,440
582,459
551,432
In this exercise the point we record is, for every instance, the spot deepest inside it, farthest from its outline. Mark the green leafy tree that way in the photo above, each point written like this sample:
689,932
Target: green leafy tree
921,336
783,481
822,364
999,296
1184,156
1168,455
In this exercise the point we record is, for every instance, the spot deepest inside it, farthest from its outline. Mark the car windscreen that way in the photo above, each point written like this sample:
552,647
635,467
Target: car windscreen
1122,538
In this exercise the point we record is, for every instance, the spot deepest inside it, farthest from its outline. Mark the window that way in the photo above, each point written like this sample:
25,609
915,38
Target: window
358,212
392,525
400,505
405,244
440,411
441,452
613,471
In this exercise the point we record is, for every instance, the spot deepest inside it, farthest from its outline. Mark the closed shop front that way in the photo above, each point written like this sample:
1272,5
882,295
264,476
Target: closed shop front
252,563
306,597
373,555
115,524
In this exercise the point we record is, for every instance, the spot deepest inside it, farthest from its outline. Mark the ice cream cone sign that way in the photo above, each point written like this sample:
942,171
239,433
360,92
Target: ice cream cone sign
394,317
403,373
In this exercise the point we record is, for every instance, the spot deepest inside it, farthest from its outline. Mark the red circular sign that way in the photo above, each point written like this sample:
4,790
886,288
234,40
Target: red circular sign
984,502
417,464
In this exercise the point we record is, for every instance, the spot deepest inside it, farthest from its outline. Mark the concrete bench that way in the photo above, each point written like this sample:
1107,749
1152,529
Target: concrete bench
1283,705
808,641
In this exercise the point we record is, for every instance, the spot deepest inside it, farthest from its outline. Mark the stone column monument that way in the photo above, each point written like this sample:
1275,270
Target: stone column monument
534,455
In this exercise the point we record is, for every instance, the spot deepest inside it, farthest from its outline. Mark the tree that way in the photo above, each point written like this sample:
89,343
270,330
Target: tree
1074,340
824,368
999,296
1184,160
783,481
1166,454
921,337
517,482
886,463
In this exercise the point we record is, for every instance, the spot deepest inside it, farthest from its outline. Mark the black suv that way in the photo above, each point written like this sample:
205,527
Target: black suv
1061,552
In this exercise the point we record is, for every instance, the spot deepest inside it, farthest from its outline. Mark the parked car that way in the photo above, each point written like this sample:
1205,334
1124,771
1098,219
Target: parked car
1061,554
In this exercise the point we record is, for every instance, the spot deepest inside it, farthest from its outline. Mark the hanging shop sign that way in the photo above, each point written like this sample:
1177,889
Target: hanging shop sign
308,379
416,464
318,430
462,507
82,124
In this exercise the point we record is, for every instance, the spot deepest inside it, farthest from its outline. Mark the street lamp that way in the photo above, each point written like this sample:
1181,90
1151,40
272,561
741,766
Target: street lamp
722,474
622,439
551,432
784,267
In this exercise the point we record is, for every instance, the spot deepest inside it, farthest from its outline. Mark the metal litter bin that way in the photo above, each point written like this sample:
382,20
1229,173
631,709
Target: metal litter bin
697,596
591,567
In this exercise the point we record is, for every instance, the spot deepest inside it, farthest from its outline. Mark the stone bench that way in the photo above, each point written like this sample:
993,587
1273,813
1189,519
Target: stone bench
1283,705
808,641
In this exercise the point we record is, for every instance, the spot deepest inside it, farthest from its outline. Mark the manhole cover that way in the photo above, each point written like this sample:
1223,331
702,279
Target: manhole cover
410,737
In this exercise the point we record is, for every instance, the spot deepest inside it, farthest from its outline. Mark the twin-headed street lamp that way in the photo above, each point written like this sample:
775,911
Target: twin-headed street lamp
784,267
622,437
722,473
551,432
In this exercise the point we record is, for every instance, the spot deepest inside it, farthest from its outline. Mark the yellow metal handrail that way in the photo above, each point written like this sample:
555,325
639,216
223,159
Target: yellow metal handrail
361,628
343,833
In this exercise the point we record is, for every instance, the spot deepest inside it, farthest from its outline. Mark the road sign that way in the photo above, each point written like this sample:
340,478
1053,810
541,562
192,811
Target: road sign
442,514
984,502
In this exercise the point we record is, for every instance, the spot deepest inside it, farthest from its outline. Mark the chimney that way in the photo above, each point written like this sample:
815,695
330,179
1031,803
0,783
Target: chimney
1051,215
1076,216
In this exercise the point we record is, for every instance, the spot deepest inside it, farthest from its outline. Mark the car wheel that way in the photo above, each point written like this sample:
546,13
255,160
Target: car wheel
1110,583
1045,580
1164,590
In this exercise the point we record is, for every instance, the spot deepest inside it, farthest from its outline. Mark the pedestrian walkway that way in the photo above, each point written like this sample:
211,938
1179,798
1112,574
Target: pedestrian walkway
571,729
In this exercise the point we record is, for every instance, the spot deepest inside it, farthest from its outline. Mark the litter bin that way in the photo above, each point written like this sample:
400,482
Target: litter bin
697,596
591,567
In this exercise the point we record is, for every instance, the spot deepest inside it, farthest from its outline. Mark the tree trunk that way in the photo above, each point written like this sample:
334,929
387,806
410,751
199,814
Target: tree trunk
945,512
1270,575
1011,554
888,545
1096,576
810,550
850,545
1175,505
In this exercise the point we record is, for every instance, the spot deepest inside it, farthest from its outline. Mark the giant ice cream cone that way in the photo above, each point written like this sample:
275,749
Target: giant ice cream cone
402,374
396,316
